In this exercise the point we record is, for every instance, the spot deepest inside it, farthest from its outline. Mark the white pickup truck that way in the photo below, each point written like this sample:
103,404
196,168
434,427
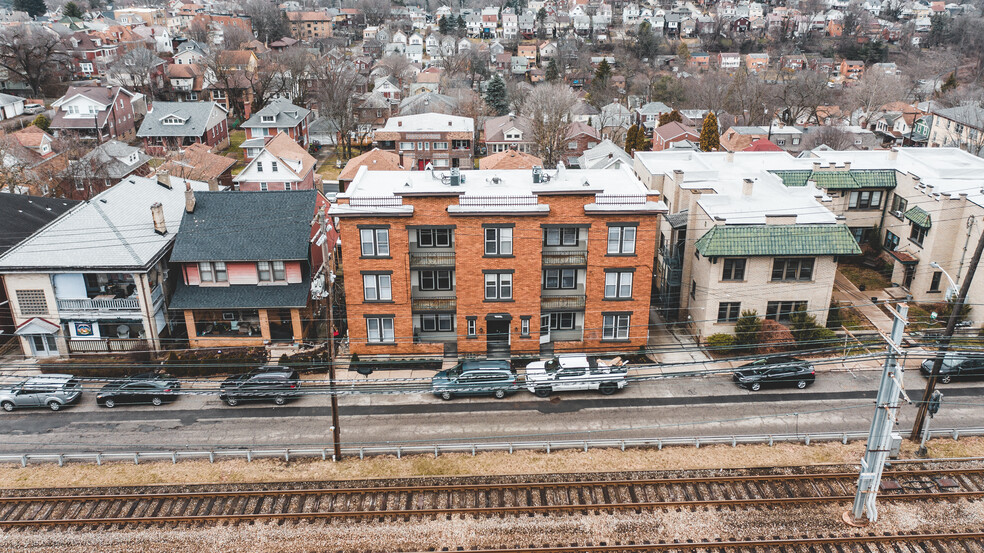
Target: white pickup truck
574,372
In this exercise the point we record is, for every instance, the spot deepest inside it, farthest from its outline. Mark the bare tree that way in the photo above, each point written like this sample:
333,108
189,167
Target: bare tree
470,104
518,93
376,11
135,70
549,109
332,89
872,92
199,32
397,66
231,80
710,91
747,93
235,37
33,53
836,138
269,22
798,95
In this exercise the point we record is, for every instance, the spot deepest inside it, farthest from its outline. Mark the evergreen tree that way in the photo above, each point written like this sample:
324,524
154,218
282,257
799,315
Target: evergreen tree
495,96
552,73
73,10
710,139
949,84
603,72
670,117
33,8
683,52
461,23
541,16
42,122
631,138
444,26
747,328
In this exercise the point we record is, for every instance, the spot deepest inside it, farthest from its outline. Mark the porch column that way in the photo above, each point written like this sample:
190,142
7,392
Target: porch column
189,316
264,324
295,321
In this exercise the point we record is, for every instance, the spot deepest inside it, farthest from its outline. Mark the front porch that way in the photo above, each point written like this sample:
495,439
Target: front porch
243,327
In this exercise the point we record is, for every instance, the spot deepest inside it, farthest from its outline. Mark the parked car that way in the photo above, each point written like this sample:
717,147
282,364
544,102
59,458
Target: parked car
266,383
33,109
138,391
775,371
53,391
475,378
573,372
956,365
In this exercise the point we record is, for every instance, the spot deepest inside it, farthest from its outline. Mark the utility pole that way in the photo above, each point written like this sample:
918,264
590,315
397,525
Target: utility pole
880,435
944,347
329,274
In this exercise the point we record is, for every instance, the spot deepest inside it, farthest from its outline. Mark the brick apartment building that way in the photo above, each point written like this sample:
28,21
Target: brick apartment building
506,262
444,141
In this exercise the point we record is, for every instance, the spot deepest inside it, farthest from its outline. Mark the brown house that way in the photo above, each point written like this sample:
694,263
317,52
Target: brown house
667,134
440,140
199,164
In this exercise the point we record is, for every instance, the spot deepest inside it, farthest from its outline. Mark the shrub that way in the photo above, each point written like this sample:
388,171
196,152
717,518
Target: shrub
747,328
721,343
824,335
42,122
774,337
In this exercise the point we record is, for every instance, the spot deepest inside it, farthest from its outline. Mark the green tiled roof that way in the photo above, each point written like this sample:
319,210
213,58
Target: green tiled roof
772,240
919,216
839,180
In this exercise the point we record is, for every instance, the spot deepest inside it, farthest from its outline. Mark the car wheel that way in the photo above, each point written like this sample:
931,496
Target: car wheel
756,387
608,388
280,400
7,406
543,392
801,384
446,395
156,401
499,394
54,405
945,379
109,403
231,401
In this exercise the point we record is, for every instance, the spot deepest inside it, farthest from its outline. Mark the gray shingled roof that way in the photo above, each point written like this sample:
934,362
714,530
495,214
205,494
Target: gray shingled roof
240,297
247,226
196,116
285,115
21,215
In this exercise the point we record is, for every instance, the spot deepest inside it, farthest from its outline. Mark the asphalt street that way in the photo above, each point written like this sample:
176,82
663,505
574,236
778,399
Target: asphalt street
692,406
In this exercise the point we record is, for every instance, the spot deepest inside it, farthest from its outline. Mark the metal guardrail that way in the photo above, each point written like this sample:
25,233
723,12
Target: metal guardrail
462,447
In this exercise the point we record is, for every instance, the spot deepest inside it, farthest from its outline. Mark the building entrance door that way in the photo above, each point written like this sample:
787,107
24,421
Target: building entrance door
497,338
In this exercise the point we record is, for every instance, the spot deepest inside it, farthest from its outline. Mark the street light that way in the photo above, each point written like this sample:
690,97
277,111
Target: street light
952,288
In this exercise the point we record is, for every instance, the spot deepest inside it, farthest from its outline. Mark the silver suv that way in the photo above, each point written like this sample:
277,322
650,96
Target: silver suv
50,390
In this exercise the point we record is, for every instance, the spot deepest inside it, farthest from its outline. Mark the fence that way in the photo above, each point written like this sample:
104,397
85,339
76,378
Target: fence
375,201
620,199
496,201
474,448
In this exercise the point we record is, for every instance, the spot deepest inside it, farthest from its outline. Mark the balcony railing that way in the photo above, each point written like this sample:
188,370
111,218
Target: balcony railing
430,260
574,258
375,201
131,303
444,303
620,199
496,201
562,302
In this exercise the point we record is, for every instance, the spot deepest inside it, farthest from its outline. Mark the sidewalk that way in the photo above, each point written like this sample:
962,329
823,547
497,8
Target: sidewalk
673,347
845,290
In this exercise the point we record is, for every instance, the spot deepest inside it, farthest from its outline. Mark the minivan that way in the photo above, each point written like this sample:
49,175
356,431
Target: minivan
53,391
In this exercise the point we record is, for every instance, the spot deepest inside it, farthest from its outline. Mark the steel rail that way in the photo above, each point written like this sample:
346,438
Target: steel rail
484,511
850,476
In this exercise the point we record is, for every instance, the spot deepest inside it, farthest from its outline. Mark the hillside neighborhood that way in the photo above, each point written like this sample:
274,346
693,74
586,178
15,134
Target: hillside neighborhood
482,179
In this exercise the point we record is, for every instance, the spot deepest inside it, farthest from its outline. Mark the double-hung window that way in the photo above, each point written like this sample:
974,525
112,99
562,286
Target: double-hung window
734,269
437,323
214,271
918,234
618,285
794,268
891,241
375,242
562,320
899,205
498,241
616,326
782,311
259,166
498,286
434,238
934,285
621,240
377,287
560,236
559,279
865,199
380,330
433,280
273,166
729,311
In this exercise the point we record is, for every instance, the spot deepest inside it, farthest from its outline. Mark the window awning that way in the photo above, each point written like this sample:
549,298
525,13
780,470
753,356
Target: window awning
904,258
36,325
919,217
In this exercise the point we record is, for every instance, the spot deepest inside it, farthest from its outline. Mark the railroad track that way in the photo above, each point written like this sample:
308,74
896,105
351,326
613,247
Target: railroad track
963,542
483,500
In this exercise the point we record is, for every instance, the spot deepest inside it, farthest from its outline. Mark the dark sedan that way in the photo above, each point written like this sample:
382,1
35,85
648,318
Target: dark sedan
956,366
775,371
277,386
143,391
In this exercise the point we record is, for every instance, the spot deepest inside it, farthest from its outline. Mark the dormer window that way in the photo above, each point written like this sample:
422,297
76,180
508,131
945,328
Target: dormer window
267,118
171,120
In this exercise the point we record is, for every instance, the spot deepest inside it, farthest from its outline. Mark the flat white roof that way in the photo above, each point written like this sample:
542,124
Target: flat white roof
429,122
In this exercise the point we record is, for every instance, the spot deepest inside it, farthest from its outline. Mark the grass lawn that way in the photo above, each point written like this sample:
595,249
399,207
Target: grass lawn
327,169
236,139
852,319
870,279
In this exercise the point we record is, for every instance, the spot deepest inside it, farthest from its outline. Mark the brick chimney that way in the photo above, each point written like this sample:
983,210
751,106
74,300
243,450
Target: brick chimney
164,179
189,198
747,186
157,213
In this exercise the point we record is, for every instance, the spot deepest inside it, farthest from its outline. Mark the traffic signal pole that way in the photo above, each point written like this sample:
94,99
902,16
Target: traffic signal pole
880,435
944,346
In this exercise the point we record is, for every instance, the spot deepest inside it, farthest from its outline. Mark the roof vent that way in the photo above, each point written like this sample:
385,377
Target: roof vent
455,179
537,174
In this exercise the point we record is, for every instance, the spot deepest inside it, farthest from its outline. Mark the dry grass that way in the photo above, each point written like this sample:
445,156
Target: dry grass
869,278
269,470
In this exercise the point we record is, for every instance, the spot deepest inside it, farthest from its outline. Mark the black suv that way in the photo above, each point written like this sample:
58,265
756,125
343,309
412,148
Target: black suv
775,371
956,365
265,383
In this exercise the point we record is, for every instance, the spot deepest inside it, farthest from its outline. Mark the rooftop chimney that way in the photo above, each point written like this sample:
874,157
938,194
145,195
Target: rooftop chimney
893,154
399,123
816,165
164,178
157,213
678,176
449,123
747,185
731,157
189,198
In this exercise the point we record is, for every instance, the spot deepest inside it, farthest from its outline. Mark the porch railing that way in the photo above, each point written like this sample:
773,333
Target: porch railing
105,344
91,304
